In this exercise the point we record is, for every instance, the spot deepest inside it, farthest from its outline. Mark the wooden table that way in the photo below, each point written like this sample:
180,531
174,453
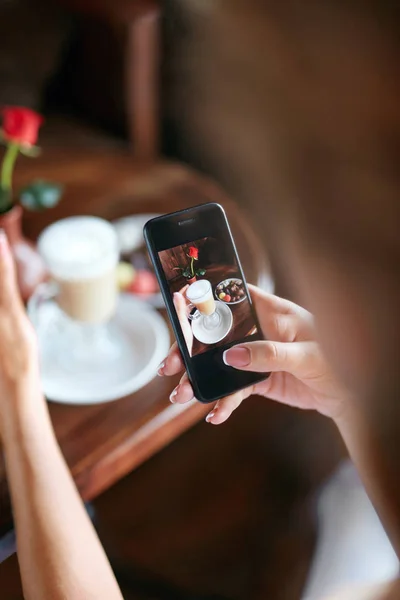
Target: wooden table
103,443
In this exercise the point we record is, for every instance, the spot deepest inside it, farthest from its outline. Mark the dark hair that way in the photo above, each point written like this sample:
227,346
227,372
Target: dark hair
297,106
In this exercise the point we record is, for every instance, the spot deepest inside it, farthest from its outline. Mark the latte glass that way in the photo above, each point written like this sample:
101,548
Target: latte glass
201,296
81,254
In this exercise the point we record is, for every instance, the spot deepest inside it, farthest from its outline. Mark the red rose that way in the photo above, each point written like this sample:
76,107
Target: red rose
193,252
21,125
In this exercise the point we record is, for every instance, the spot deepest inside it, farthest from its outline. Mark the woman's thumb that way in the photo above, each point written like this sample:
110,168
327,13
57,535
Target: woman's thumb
268,356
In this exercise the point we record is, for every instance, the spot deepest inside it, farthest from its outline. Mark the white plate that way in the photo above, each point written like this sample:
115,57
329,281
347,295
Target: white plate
225,282
146,343
130,237
130,231
214,336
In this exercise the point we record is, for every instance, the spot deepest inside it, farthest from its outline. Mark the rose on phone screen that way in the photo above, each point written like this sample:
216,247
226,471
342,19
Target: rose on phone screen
189,271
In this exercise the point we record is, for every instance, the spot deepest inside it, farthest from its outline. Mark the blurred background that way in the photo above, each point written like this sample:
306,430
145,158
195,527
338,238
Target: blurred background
103,72
228,512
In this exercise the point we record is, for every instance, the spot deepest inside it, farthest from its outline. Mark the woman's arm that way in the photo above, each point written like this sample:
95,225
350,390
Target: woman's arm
370,453
59,552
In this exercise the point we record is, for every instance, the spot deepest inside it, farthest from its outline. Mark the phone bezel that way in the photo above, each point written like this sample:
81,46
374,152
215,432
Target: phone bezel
182,227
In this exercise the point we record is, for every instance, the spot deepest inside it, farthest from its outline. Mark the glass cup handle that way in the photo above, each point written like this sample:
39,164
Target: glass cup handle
196,315
43,293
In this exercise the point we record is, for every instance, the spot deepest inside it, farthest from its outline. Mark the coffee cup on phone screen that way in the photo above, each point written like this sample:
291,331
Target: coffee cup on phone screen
201,298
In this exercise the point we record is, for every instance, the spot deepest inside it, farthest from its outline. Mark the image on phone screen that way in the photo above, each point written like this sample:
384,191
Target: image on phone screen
209,295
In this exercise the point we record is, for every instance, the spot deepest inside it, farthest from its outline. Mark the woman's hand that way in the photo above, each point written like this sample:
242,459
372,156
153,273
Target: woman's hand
18,347
181,307
300,376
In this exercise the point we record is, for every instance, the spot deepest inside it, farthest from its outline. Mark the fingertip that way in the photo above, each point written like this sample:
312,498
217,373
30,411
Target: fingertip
178,297
181,400
173,364
238,357
218,416
183,393
160,370
210,416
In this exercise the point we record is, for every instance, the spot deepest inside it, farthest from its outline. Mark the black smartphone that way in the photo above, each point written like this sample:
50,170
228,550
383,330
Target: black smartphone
206,296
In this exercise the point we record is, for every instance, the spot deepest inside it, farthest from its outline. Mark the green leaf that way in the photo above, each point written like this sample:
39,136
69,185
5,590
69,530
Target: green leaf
40,195
5,199
201,272
187,273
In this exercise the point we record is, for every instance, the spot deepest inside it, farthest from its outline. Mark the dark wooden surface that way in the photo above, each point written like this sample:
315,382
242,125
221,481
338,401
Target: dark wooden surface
223,513
105,442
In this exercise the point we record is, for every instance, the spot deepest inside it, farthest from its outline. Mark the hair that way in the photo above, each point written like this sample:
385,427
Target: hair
297,105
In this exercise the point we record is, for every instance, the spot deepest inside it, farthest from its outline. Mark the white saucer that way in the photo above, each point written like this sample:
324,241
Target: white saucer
130,231
130,238
207,336
146,343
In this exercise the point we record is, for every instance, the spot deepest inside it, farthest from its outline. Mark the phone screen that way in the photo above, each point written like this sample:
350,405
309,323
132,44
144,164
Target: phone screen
206,296
209,294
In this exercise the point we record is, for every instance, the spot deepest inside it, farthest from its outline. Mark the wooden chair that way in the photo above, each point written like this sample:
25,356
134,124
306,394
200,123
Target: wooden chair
142,20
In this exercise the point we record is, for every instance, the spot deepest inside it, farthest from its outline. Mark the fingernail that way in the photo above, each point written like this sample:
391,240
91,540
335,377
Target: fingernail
210,416
237,357
160,369
173,395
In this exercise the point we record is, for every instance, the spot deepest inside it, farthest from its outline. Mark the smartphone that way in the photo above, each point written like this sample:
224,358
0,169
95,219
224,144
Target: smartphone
206,296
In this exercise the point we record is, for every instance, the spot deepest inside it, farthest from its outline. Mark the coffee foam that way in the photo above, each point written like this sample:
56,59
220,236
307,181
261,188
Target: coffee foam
79,248
198,290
